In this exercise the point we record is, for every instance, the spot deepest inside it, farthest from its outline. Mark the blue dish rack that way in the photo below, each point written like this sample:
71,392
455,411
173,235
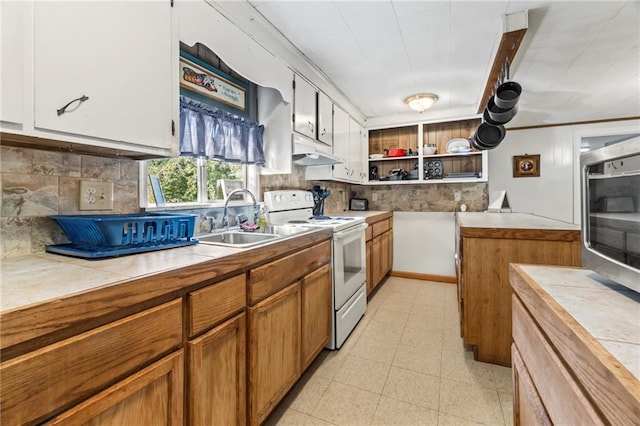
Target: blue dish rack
100,236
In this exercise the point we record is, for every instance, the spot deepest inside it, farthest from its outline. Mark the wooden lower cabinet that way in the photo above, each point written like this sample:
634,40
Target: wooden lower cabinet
152,396
44,382
484,293
370,285
316,313
216,384
379,253
528,407
274,350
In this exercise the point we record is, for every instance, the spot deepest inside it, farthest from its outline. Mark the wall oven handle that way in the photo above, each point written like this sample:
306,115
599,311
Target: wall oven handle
340,235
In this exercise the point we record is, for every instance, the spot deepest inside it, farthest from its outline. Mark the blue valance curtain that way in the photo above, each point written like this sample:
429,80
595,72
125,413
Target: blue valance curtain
207,131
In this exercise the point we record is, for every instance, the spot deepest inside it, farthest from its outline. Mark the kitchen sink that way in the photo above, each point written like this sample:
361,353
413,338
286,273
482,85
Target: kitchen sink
250,239
237,239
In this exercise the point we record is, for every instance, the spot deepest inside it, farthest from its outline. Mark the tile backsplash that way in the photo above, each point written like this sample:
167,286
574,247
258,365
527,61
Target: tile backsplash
36,184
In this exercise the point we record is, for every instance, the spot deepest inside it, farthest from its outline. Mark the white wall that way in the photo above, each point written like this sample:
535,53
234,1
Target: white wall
556,193
424,243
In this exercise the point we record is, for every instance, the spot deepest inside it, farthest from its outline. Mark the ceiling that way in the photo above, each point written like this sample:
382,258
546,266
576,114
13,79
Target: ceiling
579,61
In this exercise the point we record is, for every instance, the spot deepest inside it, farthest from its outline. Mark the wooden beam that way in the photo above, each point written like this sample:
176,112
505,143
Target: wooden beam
509,44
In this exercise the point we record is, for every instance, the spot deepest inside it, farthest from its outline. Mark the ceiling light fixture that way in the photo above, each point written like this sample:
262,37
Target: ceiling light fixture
421,101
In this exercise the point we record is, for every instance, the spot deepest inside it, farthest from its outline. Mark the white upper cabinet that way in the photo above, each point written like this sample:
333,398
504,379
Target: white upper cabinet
341,143
11,51
121,57
304,105
325,119
356,150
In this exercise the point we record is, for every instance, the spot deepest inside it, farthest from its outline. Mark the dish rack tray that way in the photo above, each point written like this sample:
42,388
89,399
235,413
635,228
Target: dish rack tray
118,234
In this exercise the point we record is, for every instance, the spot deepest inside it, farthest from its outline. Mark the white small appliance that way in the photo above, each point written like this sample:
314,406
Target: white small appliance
348,255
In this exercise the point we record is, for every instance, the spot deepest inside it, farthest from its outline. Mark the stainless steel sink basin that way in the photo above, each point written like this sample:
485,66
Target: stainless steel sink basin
237,239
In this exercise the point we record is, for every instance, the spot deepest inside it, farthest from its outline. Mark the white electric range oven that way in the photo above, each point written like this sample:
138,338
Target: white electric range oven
348,255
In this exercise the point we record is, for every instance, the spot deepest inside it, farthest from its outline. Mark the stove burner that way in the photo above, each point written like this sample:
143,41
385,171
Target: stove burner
298,221
320,218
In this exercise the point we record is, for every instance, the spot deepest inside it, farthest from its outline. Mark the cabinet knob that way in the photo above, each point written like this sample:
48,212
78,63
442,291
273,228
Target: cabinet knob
79,100
324,132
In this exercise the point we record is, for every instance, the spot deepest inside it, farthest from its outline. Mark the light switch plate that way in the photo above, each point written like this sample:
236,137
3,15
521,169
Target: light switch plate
96,195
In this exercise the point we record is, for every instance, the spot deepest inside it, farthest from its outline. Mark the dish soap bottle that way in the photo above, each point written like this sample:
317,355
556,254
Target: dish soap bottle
262,219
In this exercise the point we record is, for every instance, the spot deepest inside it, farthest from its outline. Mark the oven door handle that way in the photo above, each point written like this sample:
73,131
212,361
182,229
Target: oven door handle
341,235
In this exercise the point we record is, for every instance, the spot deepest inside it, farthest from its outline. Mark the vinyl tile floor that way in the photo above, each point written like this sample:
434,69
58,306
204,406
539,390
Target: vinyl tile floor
404,364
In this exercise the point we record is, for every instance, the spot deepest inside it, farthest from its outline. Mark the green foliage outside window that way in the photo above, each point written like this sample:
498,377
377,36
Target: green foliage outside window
179,178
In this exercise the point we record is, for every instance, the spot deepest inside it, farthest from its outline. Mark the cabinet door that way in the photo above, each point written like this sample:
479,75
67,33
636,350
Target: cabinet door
376,260
217,375
316,313
528,408
304,104
120,56
356,162
370,285
325,119
341,142
153,396
11,60
274,350
387,251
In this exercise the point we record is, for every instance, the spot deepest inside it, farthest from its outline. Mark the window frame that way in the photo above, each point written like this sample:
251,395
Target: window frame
250,181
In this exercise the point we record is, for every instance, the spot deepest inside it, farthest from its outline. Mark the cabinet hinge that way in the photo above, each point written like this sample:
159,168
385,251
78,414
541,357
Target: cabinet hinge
293,83
173,128
293,118
171,3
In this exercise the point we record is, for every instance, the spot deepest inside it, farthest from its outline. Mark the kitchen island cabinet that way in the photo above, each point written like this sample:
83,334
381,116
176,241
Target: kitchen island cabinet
486,243
575,348
166,344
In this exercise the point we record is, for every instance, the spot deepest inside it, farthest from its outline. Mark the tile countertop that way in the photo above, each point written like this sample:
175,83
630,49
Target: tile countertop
512,221
369,215
608,311
34,279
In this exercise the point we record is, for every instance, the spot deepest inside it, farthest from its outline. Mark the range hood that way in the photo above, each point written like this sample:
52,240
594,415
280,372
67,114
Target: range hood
307,152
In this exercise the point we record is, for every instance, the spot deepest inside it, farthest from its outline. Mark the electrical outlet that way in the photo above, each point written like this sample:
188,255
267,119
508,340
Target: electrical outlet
456,196
374,196
96,195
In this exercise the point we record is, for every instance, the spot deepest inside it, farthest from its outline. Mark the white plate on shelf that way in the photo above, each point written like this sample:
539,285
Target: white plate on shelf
376,156
458,145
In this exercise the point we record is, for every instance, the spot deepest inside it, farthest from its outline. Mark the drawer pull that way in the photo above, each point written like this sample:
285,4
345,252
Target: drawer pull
79,100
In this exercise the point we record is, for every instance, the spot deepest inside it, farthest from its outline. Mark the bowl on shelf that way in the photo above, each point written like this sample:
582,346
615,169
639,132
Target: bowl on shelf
429,149
376,156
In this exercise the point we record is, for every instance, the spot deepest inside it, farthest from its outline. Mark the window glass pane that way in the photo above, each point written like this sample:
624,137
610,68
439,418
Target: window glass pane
217,170
178,177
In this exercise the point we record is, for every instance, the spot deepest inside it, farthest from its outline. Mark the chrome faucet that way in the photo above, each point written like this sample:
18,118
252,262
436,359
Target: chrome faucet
225,217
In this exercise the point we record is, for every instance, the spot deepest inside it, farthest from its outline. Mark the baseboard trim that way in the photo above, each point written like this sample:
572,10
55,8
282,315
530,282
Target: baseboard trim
450,279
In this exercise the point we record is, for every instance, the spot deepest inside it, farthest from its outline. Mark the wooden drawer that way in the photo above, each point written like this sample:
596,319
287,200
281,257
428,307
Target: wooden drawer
381,227
368,233
39,383
272,277
212,304
558,389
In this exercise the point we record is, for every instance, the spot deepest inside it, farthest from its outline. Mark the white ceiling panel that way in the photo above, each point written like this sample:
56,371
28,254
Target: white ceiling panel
579,60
